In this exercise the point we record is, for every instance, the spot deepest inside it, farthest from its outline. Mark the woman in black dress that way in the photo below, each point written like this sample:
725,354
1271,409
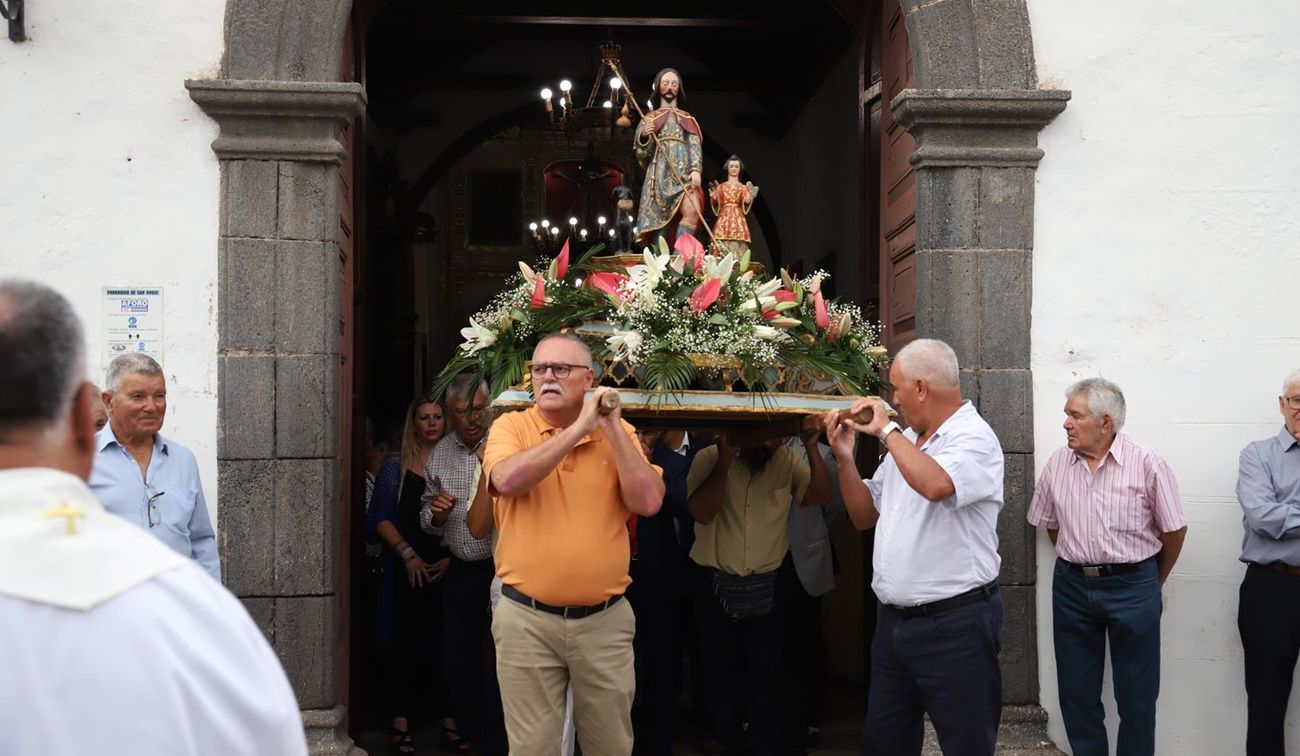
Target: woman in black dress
413,565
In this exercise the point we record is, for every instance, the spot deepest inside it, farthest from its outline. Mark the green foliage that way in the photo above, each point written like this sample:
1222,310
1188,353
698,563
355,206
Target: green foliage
667,372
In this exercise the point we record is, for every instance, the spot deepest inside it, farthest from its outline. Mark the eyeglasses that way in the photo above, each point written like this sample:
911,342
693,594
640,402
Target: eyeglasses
1292,401
475,411
154,495
561,369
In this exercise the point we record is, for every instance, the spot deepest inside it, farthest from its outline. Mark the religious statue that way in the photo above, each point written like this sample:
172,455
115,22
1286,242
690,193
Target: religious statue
670,146
731,201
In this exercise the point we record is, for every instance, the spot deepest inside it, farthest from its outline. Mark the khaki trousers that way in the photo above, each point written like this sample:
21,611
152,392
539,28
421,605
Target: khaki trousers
539,654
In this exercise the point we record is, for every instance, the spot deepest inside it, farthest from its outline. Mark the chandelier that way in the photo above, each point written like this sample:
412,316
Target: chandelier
596,120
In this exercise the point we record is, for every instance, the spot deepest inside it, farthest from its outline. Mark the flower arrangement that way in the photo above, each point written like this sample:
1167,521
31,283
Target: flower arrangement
670,315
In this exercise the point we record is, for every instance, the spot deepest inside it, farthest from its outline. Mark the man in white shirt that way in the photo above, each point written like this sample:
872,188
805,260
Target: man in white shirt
935,499
110,642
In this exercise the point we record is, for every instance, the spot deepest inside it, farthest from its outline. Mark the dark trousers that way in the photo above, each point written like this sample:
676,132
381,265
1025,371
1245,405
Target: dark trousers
658,648
1268,618
1085,613
943,664
466,628
743,668
805,662
492,739
413,667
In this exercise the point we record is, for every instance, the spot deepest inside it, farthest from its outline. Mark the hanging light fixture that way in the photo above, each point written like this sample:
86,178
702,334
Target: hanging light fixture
597,119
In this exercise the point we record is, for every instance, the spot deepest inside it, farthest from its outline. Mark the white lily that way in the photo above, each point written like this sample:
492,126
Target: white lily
529,275
747,275
624,343
768,332
719,269
750,305
651,272
768,287
476,337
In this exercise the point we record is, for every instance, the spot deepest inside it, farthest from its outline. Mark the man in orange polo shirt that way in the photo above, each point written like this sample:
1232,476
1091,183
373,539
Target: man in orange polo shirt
565,479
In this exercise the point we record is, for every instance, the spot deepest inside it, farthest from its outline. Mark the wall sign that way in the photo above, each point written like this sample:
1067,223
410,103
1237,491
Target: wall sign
133,322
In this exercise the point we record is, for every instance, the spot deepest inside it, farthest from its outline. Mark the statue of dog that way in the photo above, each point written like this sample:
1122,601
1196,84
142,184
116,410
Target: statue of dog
624,241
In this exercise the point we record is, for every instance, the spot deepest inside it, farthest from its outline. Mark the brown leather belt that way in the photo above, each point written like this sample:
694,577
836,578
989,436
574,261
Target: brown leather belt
1282,567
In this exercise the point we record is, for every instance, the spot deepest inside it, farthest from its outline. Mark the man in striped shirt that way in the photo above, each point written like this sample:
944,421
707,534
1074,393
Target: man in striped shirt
451,476
1111,508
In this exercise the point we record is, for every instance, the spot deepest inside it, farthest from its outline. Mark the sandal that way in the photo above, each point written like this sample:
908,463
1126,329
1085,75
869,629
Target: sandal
402,741
453,741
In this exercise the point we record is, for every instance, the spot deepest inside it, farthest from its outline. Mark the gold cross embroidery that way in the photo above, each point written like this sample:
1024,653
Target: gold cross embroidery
70,514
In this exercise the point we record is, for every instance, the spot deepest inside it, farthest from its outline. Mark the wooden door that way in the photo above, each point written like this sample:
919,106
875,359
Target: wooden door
897,188
349,398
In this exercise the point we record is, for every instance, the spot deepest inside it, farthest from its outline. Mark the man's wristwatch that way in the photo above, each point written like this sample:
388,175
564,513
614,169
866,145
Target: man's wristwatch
890,427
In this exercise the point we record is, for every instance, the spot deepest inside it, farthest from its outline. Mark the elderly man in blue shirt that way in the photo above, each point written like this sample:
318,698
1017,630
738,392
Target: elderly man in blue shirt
1268,615
143,477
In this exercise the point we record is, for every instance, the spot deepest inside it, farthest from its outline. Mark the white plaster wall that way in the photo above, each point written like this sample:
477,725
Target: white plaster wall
107,177
1165,259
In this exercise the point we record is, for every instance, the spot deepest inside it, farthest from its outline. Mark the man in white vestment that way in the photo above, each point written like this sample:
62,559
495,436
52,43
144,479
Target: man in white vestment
110,642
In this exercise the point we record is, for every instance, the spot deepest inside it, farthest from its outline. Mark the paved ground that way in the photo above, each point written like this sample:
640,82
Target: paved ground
1023,732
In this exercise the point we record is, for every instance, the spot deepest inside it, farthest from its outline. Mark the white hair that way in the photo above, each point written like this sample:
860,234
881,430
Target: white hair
1292,382
1103,397
131,363
462,389
931,360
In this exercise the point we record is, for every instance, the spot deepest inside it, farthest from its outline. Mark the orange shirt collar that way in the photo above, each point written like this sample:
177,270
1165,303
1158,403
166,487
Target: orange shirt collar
546,429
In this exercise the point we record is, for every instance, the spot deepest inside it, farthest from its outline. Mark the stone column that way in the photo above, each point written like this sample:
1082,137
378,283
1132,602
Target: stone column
278,372
976,151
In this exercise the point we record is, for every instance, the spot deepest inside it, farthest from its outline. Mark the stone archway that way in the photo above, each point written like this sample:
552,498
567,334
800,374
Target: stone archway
976,114
278,103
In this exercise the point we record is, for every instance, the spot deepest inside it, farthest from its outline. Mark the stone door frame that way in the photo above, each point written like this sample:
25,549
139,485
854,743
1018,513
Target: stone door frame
975,113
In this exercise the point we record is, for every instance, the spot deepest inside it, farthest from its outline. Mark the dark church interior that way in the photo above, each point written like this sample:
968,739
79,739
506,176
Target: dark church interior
458,154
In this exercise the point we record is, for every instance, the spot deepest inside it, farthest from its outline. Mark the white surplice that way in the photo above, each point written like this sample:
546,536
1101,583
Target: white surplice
110,643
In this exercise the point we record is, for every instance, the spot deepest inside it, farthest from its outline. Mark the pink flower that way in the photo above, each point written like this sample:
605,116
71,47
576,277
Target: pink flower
820,316
562,262
539,293
783,295
705,294
839,328
691,249
608,283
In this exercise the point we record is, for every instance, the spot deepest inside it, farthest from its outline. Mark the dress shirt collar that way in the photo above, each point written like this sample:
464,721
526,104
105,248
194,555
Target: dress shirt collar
1118,452
962,414
685,446
461,443
1286,440
106,436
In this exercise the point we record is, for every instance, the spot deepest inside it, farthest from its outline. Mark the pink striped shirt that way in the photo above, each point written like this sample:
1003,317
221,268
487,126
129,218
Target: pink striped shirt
1112,516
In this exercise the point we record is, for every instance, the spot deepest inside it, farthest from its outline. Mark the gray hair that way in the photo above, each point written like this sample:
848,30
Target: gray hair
463,388
568,336
932,360
42,343
1104,398
131,363
1291,381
